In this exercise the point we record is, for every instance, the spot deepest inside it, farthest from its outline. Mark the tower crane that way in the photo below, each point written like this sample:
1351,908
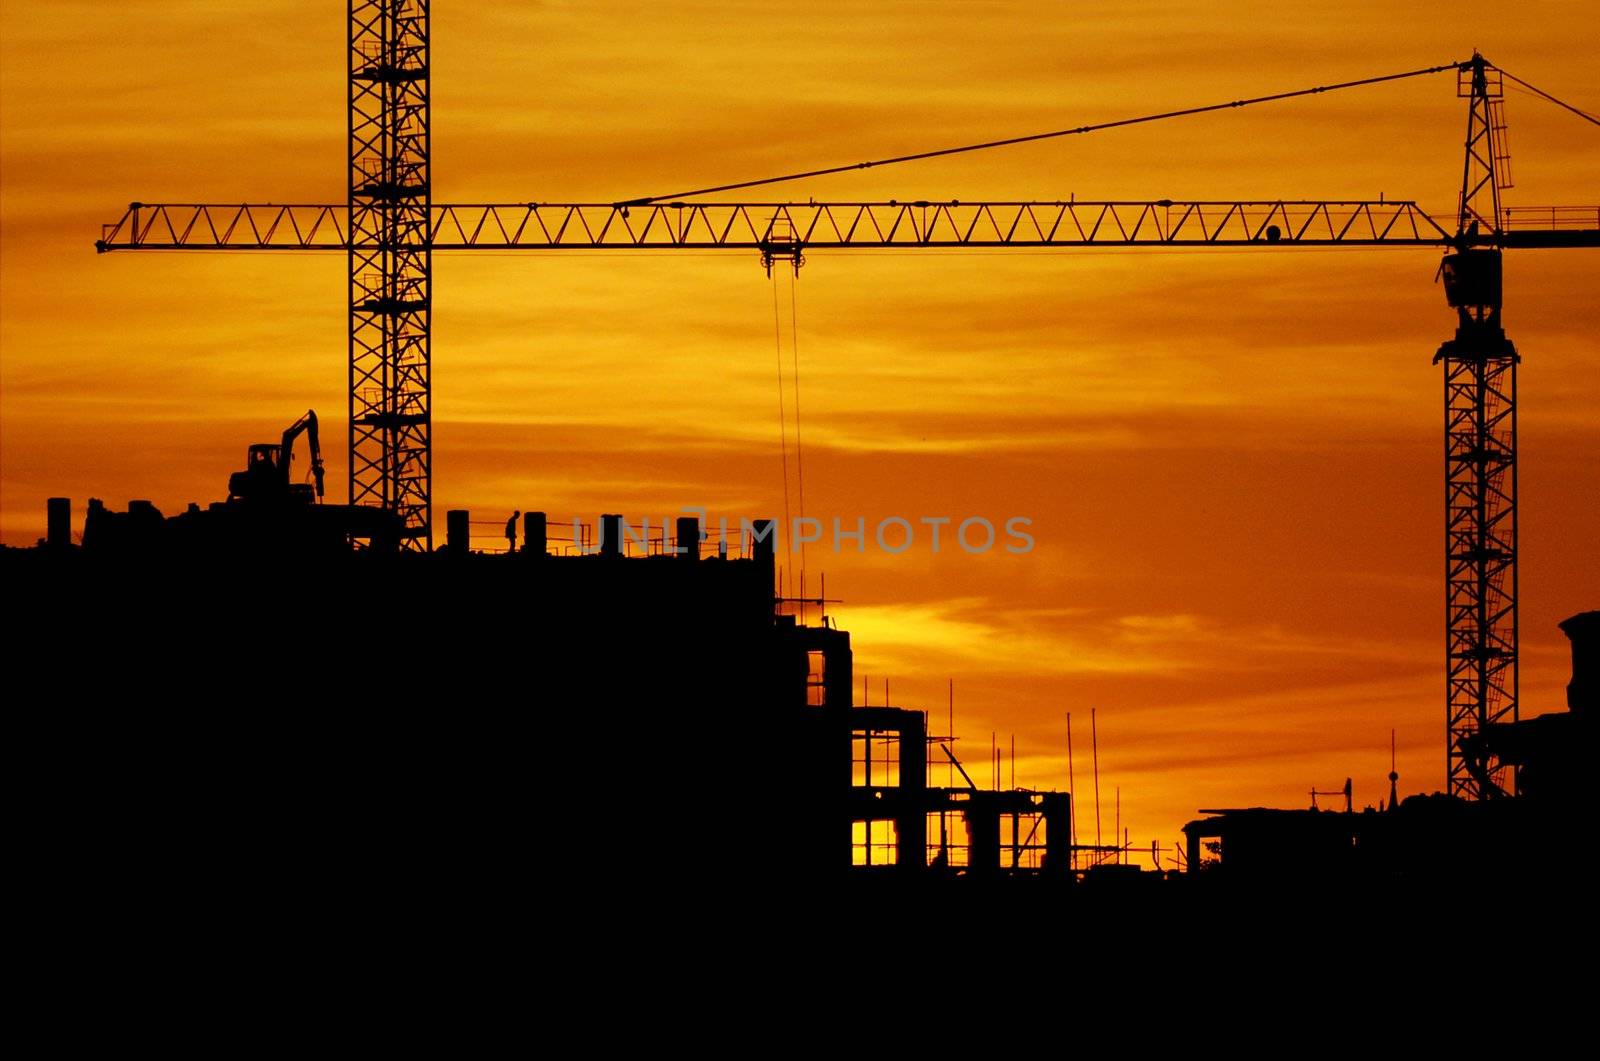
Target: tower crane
389,227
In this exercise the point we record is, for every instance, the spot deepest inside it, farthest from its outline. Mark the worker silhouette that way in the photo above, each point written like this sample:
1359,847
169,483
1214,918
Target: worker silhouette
511,532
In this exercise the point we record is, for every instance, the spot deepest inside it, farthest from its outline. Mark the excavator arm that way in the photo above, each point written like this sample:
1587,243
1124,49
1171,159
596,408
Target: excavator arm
306,425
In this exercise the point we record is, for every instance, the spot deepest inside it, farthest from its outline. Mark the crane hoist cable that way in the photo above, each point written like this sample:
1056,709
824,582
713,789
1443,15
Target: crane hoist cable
799,451
783,429
1187,111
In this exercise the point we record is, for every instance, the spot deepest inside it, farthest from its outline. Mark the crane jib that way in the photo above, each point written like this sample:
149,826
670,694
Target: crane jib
826,225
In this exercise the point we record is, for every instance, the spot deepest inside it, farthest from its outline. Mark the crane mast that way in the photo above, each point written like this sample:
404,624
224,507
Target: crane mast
1480,458
391,265
389,228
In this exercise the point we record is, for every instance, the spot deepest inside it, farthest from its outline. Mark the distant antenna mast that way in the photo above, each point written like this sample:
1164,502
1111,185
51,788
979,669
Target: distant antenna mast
1394,776
1094,746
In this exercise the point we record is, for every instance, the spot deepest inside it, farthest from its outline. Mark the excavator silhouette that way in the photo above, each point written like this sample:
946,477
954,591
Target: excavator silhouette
267,477
267,514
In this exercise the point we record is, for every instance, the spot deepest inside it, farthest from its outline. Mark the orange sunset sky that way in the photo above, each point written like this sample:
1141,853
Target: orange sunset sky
1232,459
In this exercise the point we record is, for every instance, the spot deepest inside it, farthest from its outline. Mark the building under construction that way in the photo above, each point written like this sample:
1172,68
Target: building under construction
621,706
595,706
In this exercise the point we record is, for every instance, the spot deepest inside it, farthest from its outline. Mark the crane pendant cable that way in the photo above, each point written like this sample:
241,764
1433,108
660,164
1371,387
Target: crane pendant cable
648,199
